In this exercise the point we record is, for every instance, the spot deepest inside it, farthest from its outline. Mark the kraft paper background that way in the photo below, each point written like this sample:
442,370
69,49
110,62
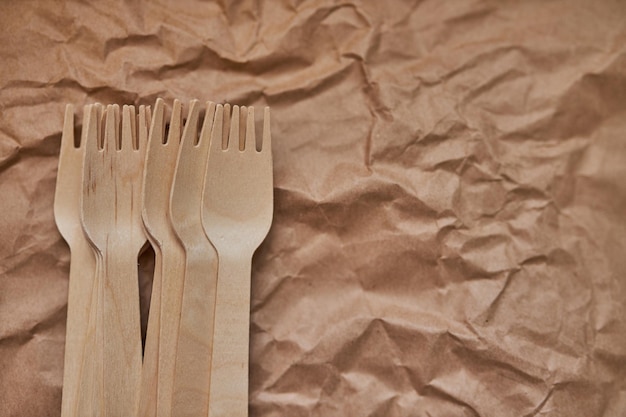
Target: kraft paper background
449,235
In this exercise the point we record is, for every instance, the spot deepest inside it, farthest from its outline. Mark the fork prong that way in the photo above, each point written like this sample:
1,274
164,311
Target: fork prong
128,131
144,124
111,129
134,120
250,134
148,116
158,124
67,136
100,116
118,124
91,129
176,122
133,125
226,123
190,132
83,133
233,135
207,126
216,132
243,117
266,146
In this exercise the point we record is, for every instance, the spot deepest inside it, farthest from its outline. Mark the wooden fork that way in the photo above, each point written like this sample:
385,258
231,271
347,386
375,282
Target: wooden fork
193,359
162,335
111,218
83,262
91,397
237,214
169,257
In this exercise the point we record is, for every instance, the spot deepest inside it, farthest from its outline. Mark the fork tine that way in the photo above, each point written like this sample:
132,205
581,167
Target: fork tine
233,136
91,128
128,131
216,133
118,125
67,136
133,126
243,117
175,122
266,146
158,124
111,129
83,133
148,116
250,133
100,115
144,124
190,132
207,126
226,122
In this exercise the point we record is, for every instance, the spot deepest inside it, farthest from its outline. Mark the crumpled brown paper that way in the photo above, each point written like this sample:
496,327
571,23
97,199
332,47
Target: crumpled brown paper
449,235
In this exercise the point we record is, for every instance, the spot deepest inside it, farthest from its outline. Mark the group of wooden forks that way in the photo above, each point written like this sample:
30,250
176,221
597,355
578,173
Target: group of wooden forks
203,198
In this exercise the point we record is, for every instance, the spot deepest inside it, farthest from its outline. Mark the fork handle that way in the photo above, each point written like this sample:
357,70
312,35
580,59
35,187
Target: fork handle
172,282
91,393
149,371
195,337
81,283
230,360
122,332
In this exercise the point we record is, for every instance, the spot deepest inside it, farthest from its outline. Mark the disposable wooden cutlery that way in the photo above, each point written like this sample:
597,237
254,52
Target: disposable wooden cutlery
91,394
236,215
193,359
167,287
203,197
111,218
83,262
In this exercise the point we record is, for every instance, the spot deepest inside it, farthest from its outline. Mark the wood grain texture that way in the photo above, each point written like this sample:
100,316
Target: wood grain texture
111,216
158,176
237,214
91,398
193,359
173,259
83,262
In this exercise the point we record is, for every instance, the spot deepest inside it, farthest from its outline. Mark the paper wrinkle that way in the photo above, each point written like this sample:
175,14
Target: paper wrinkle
448,232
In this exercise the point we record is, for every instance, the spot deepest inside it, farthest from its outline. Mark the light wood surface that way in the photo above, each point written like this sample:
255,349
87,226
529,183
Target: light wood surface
111,217
83,262
91,392
191,380
237,214
152,220
162,337
115,190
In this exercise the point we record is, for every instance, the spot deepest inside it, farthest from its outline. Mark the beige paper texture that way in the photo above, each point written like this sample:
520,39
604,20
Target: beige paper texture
449,236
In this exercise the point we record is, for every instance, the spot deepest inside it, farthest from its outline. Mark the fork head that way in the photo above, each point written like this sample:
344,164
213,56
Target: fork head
238,191
186,195
69,179
113,168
